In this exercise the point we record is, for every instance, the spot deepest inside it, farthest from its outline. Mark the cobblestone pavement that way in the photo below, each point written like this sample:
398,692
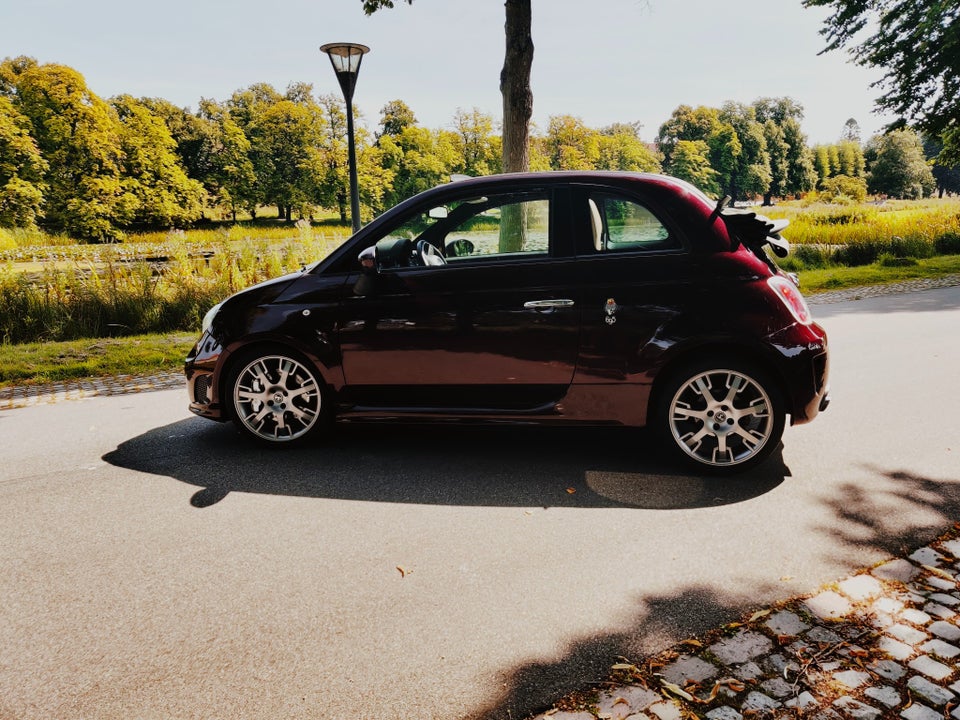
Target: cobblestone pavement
26,395
880,644
868,291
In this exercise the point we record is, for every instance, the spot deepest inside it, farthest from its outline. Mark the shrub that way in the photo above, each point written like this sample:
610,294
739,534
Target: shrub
888,260
948,243
844,189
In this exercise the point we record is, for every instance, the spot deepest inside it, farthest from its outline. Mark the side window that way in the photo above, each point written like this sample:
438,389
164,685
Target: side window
493,227
621,224
473,228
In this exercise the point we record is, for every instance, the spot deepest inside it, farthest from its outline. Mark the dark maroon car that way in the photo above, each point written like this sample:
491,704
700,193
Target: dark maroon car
592,298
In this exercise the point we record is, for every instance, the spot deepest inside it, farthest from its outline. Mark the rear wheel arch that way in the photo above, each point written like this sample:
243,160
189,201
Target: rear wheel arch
719,412
718,352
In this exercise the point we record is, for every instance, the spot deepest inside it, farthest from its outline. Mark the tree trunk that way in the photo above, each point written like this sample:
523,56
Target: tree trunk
515,87
280,211
342,205
768,199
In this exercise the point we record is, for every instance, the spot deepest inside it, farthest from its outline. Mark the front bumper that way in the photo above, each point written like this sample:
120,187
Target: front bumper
201,369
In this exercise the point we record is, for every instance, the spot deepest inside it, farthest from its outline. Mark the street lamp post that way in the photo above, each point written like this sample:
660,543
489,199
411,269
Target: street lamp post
346,58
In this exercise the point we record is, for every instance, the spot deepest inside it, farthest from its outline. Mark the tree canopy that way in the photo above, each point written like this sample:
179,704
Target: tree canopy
915,44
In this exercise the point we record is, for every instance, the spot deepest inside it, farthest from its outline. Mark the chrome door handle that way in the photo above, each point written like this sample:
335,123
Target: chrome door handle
547,304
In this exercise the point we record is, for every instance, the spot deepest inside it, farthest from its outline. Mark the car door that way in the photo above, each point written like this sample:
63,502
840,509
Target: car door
491,325
636,285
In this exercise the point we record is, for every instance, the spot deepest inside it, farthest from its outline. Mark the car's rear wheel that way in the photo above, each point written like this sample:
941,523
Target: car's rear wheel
276,396
722,416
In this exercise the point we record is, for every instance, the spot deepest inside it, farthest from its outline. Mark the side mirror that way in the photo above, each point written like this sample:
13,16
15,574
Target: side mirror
437,213
368,259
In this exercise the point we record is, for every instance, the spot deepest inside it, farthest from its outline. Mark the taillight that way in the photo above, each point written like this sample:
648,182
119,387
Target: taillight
792,298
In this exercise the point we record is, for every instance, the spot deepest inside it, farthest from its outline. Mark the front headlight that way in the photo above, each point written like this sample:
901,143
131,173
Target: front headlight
208,318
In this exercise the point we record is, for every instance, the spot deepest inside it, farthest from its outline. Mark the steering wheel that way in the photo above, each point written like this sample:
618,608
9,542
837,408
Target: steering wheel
429,254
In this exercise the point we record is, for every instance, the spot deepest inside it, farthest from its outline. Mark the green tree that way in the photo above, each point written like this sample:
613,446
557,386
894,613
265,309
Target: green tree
571,144
751,169
335,187
946,175
791,162
690,162
801,175
418,159
915,45
686,123
778,151
844,189
22,169
901,169
620,148
821,164
851,131
851,161
395,117
152,173
79,136
223,160
478,148
286,141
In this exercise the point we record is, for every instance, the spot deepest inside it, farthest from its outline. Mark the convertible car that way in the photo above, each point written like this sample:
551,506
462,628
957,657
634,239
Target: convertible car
578,297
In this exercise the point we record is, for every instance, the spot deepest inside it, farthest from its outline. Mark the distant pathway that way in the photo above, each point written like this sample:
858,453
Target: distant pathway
27,395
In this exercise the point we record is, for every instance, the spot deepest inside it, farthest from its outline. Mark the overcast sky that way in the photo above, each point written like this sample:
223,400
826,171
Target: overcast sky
604,61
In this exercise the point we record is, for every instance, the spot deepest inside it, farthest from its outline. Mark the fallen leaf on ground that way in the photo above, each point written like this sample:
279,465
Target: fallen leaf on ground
674,689
941,573
757,615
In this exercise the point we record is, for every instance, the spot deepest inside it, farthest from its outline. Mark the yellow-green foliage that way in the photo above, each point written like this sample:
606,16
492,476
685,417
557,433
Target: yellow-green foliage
857,234
826,224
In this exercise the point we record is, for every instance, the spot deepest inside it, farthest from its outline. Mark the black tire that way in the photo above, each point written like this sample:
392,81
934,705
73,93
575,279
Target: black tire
276,396
720,415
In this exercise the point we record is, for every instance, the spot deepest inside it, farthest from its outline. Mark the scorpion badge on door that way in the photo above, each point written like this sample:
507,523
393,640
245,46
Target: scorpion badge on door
611,310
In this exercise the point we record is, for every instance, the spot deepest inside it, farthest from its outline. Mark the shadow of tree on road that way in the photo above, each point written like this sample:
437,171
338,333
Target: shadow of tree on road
860,523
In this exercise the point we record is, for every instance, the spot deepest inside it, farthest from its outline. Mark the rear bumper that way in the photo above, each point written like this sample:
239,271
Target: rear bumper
805,366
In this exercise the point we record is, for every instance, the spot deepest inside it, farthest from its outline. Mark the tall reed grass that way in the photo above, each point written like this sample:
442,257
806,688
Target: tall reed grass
160,284
859,234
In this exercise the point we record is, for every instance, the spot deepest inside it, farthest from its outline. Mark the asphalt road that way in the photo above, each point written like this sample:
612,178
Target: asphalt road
154,565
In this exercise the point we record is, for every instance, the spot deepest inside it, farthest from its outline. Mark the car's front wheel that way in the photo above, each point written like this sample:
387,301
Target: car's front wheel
723,416
276,396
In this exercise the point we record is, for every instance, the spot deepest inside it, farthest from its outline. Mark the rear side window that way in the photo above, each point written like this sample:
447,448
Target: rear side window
622,224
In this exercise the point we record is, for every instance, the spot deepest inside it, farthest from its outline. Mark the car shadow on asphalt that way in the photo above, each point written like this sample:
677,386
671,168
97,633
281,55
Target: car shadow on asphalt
441,465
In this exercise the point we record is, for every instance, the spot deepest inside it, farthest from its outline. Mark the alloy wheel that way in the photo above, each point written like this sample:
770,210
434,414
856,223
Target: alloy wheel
721,418
276,398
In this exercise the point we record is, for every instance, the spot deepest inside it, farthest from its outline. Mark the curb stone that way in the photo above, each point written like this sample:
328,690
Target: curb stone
28,395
